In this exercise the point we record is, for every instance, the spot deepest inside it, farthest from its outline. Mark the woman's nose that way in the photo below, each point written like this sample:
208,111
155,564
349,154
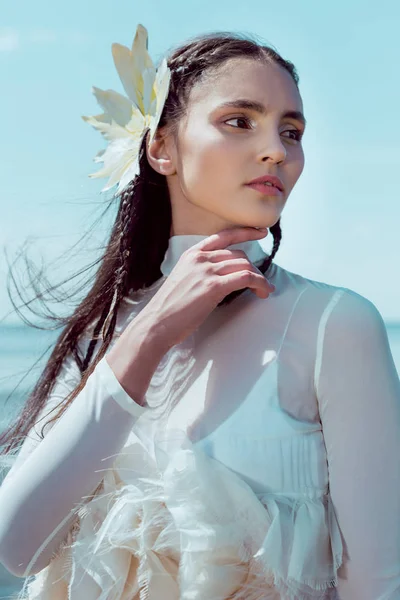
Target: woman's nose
273,150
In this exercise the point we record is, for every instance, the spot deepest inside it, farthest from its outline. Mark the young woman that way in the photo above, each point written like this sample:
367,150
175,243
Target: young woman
227,429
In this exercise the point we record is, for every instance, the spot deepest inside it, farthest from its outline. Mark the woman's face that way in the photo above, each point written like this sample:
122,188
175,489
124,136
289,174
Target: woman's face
219,149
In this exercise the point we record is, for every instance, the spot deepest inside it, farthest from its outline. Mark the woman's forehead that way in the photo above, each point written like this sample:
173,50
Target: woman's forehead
261,81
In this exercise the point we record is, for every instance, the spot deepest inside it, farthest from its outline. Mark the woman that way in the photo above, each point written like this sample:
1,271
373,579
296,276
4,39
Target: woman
211,449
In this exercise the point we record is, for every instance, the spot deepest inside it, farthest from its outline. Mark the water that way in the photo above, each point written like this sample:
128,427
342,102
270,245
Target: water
20,347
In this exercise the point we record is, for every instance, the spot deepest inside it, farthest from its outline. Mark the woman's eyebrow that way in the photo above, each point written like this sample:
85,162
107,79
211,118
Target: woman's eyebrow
260,108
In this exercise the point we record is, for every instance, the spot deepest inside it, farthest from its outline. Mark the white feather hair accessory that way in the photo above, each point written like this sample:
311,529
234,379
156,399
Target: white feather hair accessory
126,119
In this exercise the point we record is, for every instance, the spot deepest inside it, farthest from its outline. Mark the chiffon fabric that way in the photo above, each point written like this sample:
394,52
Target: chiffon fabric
256,473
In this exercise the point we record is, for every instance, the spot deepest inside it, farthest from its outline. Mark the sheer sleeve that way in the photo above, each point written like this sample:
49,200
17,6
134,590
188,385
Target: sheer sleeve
358,393
51,477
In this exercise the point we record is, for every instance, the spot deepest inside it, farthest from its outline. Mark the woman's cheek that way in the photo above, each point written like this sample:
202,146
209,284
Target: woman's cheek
299,166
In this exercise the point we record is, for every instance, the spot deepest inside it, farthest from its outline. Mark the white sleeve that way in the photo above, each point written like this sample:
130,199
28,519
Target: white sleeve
358,392
51,476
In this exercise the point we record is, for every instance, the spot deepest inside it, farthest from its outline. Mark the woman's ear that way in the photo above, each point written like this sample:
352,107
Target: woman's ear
160,153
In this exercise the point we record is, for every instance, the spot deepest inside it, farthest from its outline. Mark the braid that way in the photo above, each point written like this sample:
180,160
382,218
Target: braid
124,242
264,268
84,365
107,320
122,270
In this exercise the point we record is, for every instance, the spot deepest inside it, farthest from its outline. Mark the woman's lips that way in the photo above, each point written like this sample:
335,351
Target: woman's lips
267,190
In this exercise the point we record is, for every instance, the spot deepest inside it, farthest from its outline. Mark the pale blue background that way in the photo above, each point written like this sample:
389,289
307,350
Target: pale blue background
341,221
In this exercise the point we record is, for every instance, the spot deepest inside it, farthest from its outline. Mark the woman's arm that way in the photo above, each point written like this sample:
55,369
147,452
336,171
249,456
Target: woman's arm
52,476
358,392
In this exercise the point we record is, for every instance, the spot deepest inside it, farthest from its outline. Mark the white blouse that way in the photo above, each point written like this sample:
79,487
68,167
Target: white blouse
265,468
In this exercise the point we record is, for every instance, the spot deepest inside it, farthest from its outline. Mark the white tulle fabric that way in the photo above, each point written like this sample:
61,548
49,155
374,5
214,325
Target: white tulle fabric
183,526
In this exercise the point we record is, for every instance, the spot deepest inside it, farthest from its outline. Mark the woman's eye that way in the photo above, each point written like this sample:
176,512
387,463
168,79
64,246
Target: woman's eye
243,119
297,134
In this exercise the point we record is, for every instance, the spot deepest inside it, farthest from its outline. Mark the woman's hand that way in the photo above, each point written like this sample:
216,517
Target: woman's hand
202,277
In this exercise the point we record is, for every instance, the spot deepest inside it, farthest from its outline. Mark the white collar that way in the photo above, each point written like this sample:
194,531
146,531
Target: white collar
179,243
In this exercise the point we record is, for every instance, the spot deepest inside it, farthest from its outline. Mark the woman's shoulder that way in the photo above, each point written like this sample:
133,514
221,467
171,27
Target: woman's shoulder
350,308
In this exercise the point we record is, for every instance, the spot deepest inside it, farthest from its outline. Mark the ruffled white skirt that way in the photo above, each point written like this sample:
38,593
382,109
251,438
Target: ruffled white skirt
179,525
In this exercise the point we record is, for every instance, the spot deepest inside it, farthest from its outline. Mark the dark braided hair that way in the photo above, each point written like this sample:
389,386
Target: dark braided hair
140,234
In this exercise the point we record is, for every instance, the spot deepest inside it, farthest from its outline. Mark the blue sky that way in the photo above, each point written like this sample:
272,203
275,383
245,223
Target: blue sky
340,222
